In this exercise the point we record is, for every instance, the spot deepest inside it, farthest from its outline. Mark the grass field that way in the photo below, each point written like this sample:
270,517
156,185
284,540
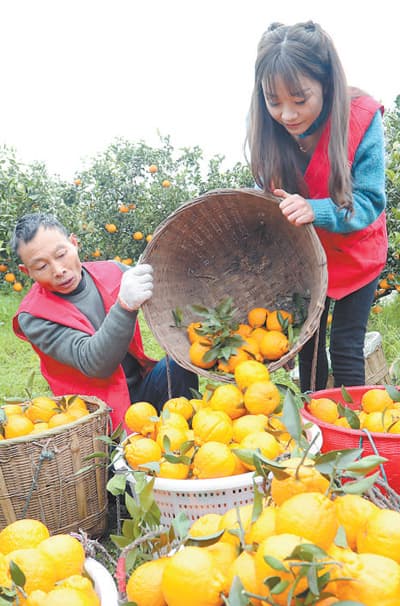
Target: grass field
18,361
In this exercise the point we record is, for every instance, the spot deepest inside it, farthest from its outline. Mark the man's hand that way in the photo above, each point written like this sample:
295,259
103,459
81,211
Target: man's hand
136,287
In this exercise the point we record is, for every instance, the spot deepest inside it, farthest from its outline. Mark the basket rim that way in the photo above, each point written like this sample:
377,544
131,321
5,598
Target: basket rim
359,433
101,410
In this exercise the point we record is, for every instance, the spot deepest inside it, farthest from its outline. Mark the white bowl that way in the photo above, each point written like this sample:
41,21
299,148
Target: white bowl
104,583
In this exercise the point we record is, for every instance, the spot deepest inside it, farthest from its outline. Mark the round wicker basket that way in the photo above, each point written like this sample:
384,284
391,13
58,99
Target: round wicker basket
232,242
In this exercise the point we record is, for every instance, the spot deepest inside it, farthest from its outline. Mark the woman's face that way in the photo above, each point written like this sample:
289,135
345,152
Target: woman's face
295,110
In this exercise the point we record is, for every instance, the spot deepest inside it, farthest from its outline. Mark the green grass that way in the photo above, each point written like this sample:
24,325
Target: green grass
18,361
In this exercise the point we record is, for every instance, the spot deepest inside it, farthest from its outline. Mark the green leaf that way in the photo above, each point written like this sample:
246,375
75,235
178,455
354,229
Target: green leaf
345,395
275,563
131,506
393,392
341,539
327,463
116,485
237,596
204,541
291,416
177,315
181,525
366,464
360,486
16,574
307,552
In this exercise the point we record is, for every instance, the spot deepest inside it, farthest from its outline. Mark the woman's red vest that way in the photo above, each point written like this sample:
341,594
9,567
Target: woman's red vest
64,379
355,258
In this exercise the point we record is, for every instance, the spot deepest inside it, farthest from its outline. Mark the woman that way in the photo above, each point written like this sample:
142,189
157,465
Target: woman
318,145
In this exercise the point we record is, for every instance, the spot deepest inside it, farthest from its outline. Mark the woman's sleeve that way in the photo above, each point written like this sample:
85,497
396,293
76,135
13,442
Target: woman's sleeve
368,174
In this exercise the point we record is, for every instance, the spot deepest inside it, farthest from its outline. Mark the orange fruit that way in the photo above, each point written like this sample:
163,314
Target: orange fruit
324,409
142,451
301,478
257,317
10,277
224,554
262,397
81,584
248,372
206,525
263,527
37,567
311,515
12,409
3,267
377,421
212,426
353,511
40,427
273,322
17,286
197,351
141,417
213,460
171,436
60,419
68,596
263,441
248,424
137,235
17,426
191,577
123,208
41,408
111,228
152,168
66,553
229,399
180,405
274,345
235,359
22,534
380,534
244,567
375,400
144,584
192,333
96,253
230,521
174,471
149,238
244,330
257,334
166,183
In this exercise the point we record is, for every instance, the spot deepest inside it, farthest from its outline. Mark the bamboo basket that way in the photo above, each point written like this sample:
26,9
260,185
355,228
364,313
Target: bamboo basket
38,475
376,370
232,242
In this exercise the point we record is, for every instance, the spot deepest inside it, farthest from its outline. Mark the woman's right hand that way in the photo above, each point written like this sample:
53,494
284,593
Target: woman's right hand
295,208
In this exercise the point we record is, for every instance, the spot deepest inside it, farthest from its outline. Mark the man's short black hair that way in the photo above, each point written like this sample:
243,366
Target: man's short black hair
27,226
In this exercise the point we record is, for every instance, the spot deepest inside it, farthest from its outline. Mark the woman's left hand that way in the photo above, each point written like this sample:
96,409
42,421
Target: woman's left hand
295,208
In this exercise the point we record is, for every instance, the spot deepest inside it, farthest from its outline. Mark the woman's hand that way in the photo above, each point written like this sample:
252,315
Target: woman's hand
295,208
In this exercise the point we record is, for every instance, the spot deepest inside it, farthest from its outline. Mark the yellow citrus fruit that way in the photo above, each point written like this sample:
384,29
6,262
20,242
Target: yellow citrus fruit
22,534
5,577
234,360
144,584
142,451
342,422
206,525
213,460
66,553
197,351
192,333
273,322
375,400
12,409
378,422
212,425
380,534
166,183
229,399
262,397
35,598
274,345
230,521
248,424
257,317
279,547
171,437
68,596
76,403
173,419
240,467
263,527
111,228
141,417
191,577
41,408
249,372
181,405
137,235
372,579
60,419
243,330
37,567
311,515
302,477
40,427
324,409
83,584
252,347
175,471
352,511
224,554
244,567
263,441
17,426
257,334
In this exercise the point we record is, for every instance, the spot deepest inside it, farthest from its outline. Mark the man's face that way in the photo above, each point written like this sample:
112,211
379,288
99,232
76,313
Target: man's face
51,259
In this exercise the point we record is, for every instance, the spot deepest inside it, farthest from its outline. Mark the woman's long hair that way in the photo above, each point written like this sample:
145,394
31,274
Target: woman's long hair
292,52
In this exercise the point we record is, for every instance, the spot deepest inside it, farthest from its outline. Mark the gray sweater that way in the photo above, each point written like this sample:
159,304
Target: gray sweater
97,355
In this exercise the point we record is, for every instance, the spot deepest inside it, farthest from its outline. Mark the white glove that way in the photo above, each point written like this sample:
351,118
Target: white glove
136,287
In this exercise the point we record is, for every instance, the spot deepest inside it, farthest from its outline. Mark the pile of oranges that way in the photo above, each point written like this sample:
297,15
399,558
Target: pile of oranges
307,547
199,438
39,414
264,338
53,566
378,412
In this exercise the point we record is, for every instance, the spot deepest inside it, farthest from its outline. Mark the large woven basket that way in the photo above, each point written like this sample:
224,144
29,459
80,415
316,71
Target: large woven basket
232,242
38,475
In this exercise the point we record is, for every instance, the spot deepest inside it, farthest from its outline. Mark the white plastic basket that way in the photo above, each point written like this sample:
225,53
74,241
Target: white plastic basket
103,582
196,498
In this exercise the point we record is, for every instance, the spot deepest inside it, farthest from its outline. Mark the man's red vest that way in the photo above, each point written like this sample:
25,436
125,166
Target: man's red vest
355,258
65,379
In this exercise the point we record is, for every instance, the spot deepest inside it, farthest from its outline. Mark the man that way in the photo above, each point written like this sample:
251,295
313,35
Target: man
81,319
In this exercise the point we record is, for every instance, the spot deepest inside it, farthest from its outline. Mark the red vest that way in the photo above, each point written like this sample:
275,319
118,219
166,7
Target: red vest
355,258
65,379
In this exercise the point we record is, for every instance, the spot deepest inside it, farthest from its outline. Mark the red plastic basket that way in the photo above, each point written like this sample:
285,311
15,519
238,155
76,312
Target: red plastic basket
336,438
